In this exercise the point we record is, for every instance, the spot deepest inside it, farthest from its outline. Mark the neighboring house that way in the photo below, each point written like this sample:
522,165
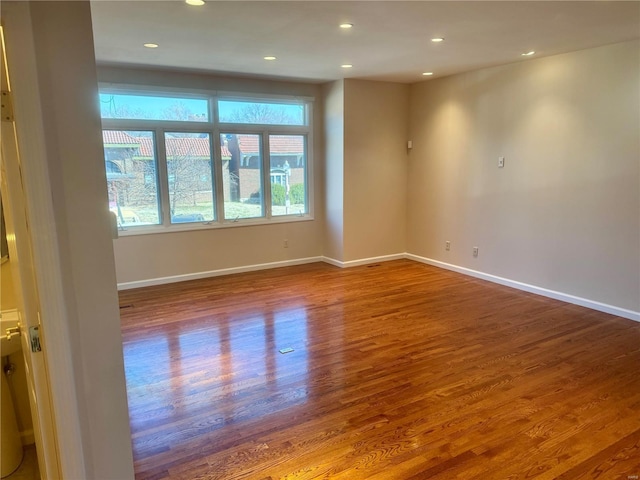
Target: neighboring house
287,156
130,166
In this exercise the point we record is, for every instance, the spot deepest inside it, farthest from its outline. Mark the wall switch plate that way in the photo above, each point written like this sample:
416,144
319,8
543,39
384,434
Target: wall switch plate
475,251
500,162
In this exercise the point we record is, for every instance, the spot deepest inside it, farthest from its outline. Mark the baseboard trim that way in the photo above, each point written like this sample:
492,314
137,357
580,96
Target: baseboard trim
583,302
364,261
216,273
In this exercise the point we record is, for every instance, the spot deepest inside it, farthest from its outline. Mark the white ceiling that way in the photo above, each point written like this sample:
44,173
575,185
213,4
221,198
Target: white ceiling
390,40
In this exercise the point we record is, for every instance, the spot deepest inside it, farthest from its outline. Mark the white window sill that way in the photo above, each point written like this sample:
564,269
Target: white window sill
214,225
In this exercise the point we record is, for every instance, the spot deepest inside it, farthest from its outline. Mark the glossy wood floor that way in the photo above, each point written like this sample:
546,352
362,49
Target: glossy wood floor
399,371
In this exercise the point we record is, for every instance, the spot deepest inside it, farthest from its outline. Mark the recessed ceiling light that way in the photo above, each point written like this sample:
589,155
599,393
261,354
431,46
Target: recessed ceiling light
437,40
346,65
151,45
427,74
346,25
528,54
269,57
195,3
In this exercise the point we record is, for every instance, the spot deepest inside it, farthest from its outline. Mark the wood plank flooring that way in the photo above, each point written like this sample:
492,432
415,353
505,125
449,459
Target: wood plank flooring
399,371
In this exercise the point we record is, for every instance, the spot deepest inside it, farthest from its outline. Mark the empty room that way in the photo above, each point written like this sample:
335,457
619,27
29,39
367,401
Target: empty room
320,239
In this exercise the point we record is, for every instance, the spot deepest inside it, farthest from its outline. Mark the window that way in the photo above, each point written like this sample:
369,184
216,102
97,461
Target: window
287,157
242,186
130,160
253,112
190,177
154,107
201,161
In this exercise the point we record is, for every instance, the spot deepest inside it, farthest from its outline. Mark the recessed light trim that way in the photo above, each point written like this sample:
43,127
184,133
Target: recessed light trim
195,3
269,57
437,39
427,74
346,25
346,65
528,54
151,45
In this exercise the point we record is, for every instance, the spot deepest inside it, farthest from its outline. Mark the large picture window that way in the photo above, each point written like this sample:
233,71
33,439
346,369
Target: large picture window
201,161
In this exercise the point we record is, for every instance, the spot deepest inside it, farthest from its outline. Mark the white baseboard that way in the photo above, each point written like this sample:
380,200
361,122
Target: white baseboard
216,273
583,302
364,261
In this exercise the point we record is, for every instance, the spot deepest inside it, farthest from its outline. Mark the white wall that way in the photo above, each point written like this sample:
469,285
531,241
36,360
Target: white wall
172,254
564,212
376,128
58,98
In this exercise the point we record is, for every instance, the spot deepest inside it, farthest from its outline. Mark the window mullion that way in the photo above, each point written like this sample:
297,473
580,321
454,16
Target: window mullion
266,174
217,171
163,178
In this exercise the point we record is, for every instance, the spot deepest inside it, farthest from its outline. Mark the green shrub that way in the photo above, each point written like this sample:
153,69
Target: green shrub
296,194
278,193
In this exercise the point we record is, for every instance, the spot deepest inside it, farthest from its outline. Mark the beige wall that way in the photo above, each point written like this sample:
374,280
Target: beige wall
333,101
375,168
366,128
564,212
148,257
145,257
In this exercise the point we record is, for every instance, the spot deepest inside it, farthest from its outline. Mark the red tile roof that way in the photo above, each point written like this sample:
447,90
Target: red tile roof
287,144
279,144
117,137
187,146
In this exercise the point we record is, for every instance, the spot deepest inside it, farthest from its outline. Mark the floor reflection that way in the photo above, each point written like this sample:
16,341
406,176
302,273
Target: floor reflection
184,370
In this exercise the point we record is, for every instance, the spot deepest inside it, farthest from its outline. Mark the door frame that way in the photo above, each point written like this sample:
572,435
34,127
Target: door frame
66,457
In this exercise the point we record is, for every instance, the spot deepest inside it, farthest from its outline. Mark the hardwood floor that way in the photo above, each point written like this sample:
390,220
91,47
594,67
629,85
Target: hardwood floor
399,371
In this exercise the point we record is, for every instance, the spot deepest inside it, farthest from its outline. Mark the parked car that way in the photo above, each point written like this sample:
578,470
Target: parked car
187,218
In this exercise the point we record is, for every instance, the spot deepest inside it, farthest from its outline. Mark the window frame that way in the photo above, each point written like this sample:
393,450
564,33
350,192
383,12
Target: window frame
215,128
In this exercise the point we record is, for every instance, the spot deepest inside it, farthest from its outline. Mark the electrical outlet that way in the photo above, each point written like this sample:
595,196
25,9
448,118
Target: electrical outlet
475,251
285,244
447,245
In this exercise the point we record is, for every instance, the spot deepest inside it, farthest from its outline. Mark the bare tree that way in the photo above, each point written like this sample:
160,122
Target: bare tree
234,167
179,111
123,111
188,173
262,113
